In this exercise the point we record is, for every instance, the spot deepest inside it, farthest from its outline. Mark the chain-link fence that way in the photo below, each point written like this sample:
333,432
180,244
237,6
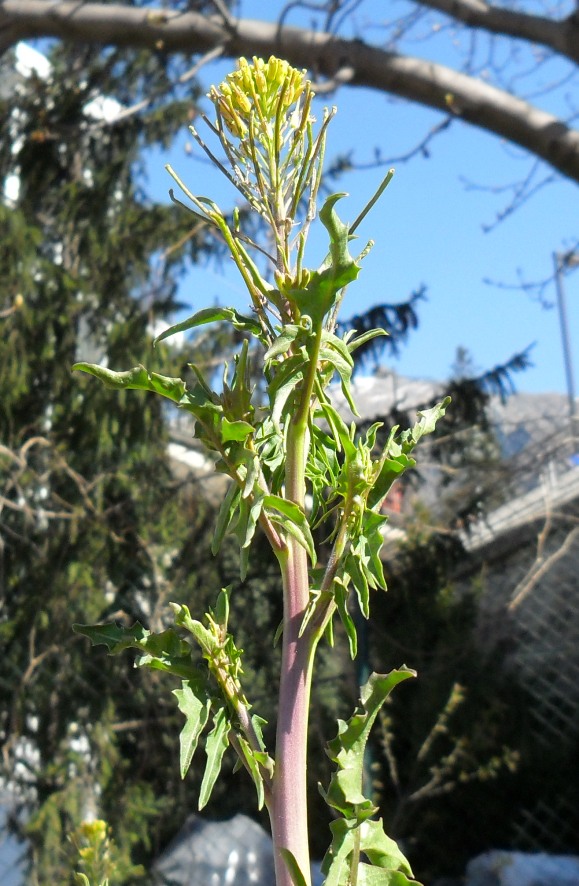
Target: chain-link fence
528,555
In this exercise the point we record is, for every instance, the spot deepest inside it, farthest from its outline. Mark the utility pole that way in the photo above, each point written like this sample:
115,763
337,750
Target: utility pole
562,261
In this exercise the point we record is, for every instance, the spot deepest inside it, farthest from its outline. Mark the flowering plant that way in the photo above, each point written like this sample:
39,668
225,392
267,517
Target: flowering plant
297,470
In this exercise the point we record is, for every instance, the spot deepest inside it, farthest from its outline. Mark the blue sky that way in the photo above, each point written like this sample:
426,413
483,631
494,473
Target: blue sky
428,229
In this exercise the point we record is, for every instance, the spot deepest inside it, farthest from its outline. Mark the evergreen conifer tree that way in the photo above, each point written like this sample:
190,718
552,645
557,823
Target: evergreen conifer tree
91,516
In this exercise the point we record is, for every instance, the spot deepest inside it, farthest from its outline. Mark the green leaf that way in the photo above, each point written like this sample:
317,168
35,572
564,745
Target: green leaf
341,262
355,343
225,517
336,864
390,471
136,379
355,569
372,529
341,597
270,442
347,749
196,707
355,833
254,760
396,459
166,644
428,419
425,425
337,270
287,376
342,357
235,430
336,352
115,637
293,520
340,430
372,876
221,612
215,747
204,405
249,511
211,315
293,867
252,476
381,850
165,651
282,343
347,843
206,639
258,723
322,470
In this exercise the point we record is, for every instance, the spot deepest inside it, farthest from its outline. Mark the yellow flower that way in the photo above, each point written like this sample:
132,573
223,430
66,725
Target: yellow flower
265,89
94,831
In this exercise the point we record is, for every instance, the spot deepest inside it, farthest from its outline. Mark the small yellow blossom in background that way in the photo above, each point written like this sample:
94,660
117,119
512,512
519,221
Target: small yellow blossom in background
98,855
91,840
16,305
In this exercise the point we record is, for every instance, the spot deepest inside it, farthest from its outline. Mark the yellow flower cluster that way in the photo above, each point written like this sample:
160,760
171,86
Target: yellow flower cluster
265,88
93,844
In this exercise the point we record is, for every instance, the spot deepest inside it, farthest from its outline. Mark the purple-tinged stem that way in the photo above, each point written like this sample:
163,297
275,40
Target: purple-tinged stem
289,817
289,814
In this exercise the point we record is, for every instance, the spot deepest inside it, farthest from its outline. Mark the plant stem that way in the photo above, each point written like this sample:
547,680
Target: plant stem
289,817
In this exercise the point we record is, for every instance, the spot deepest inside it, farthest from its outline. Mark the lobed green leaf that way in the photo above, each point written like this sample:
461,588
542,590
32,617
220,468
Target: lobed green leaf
165,651
337,270
355,834
137,379
196,706
215,747
348,842
114,636
425,425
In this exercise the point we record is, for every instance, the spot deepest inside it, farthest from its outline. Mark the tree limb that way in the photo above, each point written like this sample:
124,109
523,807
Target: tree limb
415,79
560,36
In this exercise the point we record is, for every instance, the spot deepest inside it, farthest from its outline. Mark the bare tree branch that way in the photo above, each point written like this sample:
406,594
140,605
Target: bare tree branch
538,289
540,567
520,192
343,163
415,79
561,36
